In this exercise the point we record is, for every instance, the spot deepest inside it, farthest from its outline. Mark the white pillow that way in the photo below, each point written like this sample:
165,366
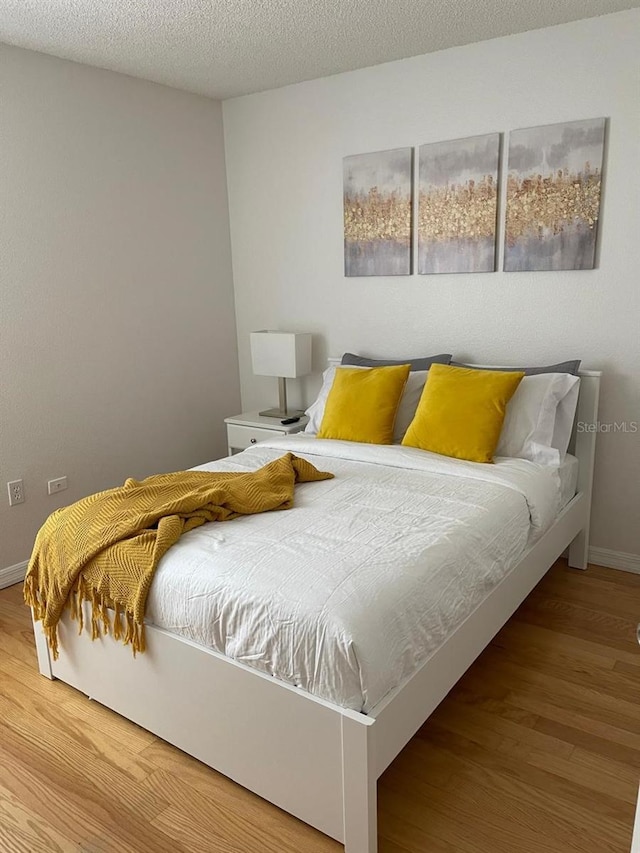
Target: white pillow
565,415
539,418
406,410
409,403
315,412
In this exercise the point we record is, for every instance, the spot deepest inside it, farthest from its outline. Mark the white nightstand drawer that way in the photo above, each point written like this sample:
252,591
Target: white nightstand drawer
241,437
250,428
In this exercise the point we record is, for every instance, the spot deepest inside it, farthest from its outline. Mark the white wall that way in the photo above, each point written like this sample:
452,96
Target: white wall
117,329
284,152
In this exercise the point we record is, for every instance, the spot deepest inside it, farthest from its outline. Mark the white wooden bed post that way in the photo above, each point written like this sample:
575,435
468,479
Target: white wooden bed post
42,650
359,786
583,445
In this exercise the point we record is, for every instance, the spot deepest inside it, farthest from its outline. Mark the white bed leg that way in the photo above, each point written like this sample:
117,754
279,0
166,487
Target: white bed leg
42,650
635,841
579,551
359,786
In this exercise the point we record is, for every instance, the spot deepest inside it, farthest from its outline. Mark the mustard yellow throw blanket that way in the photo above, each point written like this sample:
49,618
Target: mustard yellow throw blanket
105,548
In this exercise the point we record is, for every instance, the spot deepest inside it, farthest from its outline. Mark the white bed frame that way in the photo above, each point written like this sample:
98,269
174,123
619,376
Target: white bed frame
313,759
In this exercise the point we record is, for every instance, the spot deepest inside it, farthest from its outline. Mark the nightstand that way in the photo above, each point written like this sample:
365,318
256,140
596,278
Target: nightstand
250,428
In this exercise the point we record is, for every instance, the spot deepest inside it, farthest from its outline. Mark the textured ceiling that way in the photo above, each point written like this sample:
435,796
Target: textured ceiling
224,48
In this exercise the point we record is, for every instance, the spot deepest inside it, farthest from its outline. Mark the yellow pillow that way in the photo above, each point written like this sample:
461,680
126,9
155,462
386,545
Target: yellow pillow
362,404
461,412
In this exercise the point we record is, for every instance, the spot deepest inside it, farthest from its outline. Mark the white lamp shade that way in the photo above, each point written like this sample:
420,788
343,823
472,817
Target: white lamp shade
285,354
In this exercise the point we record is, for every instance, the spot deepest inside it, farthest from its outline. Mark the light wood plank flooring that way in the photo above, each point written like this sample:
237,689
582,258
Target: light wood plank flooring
536,750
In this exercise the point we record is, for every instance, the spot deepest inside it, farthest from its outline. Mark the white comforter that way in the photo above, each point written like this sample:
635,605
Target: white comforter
346,594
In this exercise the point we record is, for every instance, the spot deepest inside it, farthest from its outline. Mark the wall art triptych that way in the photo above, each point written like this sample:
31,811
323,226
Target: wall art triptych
552,203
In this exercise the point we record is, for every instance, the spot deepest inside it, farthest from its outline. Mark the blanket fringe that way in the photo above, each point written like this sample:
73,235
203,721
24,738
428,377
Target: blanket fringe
31,596
121,625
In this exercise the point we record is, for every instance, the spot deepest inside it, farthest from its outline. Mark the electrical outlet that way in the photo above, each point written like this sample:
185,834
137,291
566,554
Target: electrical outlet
57,485
16,492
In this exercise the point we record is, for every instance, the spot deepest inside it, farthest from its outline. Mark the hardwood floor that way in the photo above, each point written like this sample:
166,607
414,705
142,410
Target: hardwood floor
536,750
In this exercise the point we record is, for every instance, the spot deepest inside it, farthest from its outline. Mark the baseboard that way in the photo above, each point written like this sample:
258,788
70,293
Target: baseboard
615,560
13,574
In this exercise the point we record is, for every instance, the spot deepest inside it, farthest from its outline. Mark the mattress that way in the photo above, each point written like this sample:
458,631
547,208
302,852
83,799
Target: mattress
568,475
346,594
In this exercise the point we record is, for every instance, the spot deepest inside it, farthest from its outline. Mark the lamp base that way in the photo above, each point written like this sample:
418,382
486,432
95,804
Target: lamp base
278,413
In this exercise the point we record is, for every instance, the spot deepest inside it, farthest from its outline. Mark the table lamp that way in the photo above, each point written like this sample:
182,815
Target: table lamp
286,355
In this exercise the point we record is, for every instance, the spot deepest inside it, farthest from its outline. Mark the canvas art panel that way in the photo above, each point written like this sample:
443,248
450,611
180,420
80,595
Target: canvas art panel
553,196
377,213
457,205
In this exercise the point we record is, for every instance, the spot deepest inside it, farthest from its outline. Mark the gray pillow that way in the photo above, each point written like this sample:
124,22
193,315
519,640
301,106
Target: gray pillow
563,367
416,363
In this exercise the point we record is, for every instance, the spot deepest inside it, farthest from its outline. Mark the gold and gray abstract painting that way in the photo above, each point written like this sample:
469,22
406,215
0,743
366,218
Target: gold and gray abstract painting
553,196
457,205
377,213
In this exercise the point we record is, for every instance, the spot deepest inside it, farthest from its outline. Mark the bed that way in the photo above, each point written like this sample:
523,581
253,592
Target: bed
307,701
